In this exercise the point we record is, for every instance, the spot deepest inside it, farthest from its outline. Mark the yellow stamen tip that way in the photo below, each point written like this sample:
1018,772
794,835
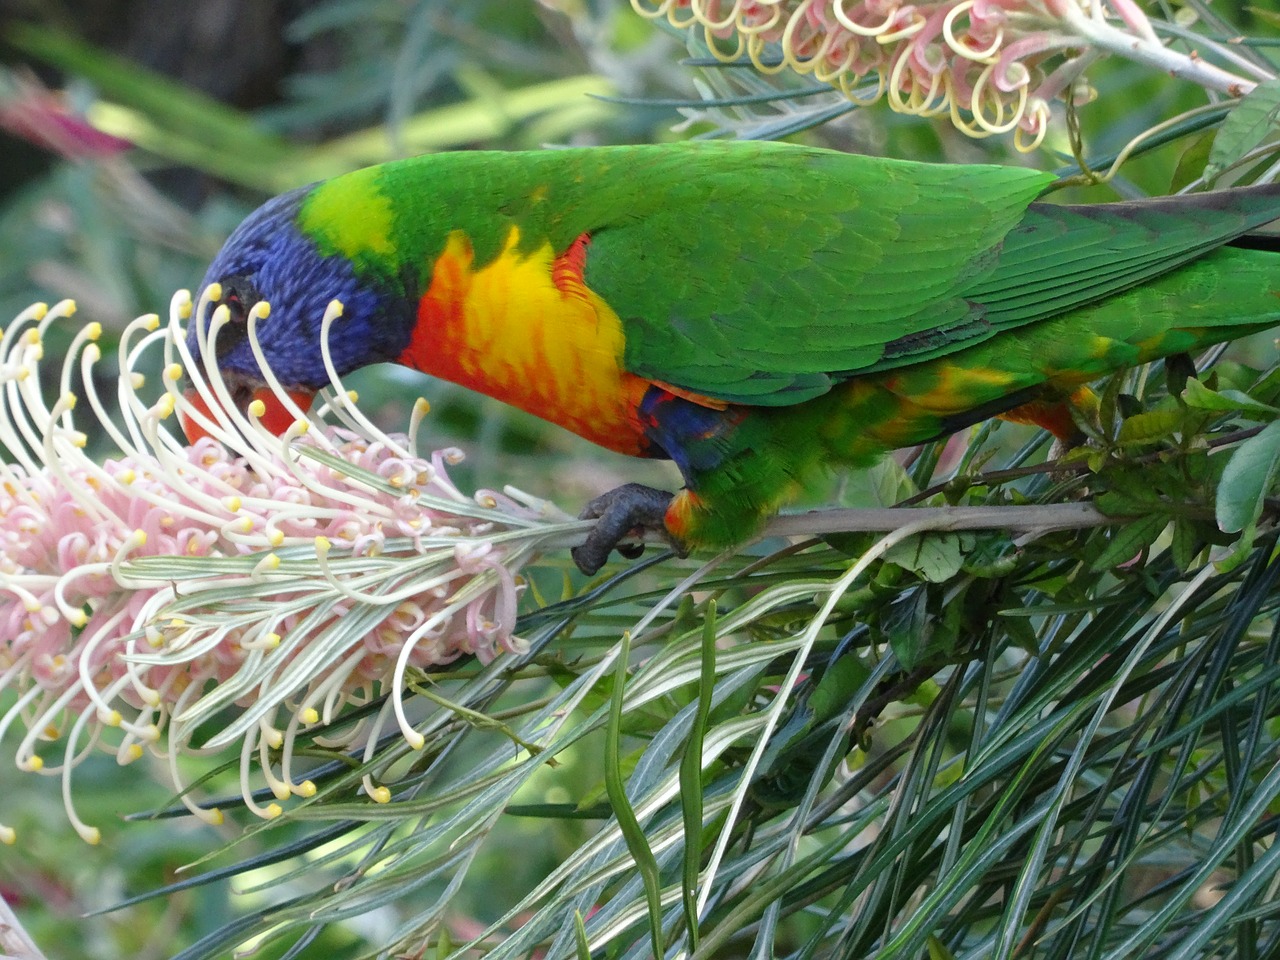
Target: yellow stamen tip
31,764
152,320
77,618
93,331
281,791
90,835
353,396
272,640
164,407
215,818
110,718
8,836
257,409
93,353
422,406
137,380
214,291
273,810
310,715
415,740
261,309
323,546
173,372
305,789
232,504
380,795
134,752
275,538
68,308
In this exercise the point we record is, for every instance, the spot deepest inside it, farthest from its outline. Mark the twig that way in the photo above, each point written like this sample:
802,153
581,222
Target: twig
1030,519
15,944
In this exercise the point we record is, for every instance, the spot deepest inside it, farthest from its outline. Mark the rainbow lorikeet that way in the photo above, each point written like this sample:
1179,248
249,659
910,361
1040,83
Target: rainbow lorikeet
752,311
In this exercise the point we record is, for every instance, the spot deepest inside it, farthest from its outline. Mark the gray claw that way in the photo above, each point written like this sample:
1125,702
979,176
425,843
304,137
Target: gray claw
630,507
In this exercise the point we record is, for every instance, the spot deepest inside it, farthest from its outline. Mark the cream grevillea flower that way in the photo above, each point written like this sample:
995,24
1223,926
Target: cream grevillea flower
992,66
289,577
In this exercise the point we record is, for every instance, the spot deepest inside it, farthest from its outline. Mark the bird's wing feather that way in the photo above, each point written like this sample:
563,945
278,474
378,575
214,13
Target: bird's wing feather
796,269
754,275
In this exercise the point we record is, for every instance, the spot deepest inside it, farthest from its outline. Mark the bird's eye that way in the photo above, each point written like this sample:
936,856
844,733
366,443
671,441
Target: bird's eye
238,295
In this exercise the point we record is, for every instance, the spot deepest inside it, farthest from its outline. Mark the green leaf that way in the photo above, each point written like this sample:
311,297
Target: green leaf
691,784
1247,478
1199,396
1192,162
909,628
1265,15
1144,428
1130,540
1186,544
936,557
839,683
1251,122
623,811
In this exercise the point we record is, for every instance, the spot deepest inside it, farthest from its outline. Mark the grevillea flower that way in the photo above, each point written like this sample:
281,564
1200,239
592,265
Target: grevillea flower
993,66
30,111
289,577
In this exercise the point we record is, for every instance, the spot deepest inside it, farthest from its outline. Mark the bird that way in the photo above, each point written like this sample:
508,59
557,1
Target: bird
752,311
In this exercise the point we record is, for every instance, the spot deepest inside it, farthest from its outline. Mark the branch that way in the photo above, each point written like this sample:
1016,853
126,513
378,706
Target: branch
1027,519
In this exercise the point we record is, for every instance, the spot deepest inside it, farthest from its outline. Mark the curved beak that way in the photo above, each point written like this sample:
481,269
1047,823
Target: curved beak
276,416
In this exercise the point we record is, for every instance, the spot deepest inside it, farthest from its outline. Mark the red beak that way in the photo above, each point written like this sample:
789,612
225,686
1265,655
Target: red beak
277,418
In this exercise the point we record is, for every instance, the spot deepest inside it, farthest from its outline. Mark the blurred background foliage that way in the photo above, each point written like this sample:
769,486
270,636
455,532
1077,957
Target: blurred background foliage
134,134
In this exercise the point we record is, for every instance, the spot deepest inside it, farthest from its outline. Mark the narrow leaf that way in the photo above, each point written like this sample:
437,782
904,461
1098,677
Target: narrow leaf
691,786
632,833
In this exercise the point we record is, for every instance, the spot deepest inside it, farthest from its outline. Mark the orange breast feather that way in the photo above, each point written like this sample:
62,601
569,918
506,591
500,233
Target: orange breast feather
526,329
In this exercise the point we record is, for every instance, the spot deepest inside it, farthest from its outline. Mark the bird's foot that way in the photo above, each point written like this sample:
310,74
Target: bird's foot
632,507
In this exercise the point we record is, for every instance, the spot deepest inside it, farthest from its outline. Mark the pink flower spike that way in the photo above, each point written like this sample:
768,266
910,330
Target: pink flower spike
147,595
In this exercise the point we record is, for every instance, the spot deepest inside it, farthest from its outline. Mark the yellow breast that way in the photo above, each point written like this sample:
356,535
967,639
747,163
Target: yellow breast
526,329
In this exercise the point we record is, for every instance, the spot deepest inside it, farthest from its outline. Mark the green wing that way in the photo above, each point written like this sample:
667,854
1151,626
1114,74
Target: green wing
785,270
759,272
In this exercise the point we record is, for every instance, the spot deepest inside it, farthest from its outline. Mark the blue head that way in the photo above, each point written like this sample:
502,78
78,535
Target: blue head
268,258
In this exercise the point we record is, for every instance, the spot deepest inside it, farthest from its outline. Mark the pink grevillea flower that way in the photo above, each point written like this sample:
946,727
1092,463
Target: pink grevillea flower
288,577
30,111
992,66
